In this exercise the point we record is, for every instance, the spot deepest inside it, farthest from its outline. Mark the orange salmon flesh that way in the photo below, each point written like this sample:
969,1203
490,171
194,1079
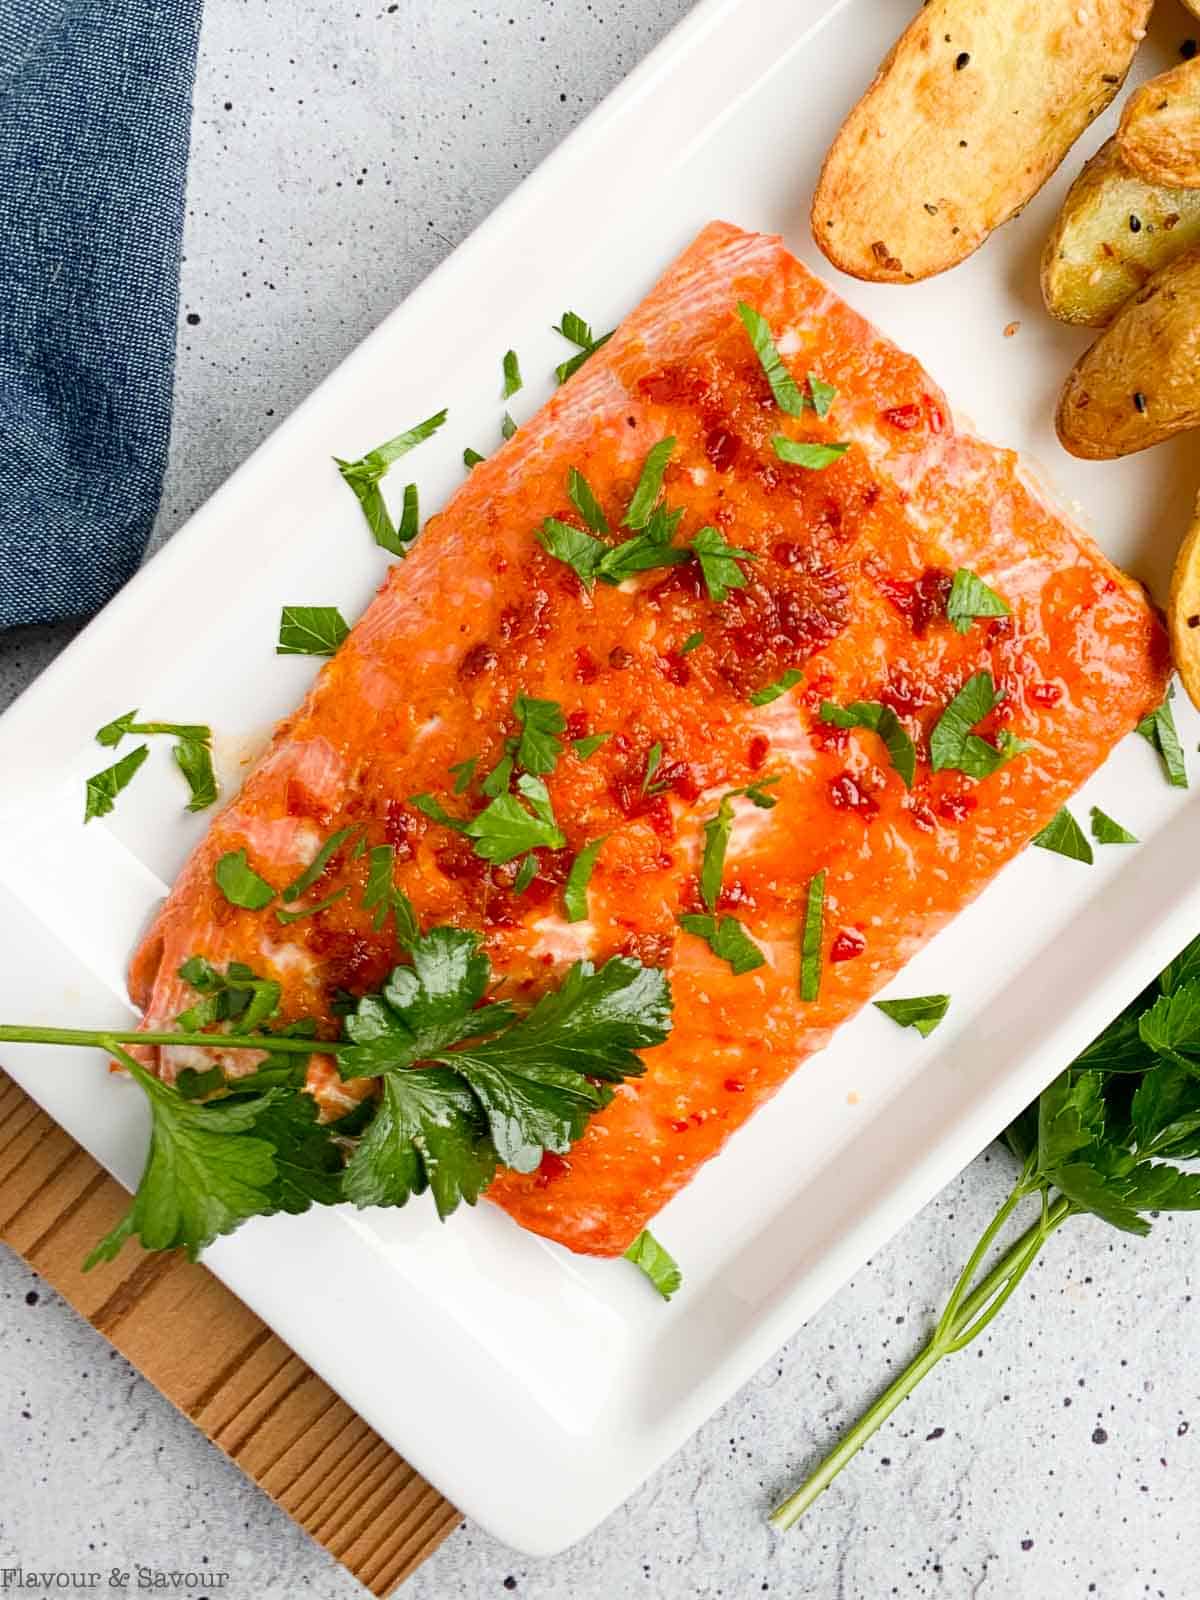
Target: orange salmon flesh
852,567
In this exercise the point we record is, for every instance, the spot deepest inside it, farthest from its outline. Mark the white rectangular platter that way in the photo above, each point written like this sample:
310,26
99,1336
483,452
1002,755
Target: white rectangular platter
728,118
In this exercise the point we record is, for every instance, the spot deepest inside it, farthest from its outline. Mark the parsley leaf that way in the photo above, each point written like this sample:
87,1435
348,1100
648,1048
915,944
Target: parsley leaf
513,381
463,773
104,787
574,329
428,1132
363,477
192,753
298,915
538,747
1106,831
472,458
579,491
506,829
692,642
882,720
304,882
773,691
783,386
658,1265
953,745
410,521
923,1012
727,939
717,831
384,899
719,563
646,550
810,938
653,761
236,995
969,598
576,887
111,734
807,453
649,485
1158,729
311,631
194,760
526,873
507,426
823,394
576,549
588,746
206,1172
1065,837
240,884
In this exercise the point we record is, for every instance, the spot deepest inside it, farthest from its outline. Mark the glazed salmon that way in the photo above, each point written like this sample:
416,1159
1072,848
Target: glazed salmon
847,576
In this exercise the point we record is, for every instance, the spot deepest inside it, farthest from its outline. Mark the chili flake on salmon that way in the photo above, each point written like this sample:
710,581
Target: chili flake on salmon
677,675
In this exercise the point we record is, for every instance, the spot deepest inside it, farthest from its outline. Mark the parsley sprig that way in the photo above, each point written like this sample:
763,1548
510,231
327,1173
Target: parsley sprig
192,752
1104,1140
364,475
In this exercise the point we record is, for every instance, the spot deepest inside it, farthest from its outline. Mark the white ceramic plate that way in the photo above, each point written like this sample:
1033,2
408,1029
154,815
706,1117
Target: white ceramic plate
536,1389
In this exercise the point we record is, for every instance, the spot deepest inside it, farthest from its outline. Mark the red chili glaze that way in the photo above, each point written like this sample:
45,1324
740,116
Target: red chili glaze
848,583
847,944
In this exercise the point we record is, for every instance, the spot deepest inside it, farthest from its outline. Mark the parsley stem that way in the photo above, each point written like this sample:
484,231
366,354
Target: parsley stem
100,1040
968,1311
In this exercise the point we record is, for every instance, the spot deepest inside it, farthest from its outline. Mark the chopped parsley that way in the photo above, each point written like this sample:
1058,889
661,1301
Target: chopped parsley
727,939
1158,729
513,381
1065,837
773,691
923,1012
579,491
692,642
653,761
310,911
649,485
969,598
539,747
506,828
882,720
576,887
472,458
578,332
507,426
810,938
717,831
192,753
658,1265
103,788
363,477
383,899
410,520
719,563
953,745
823,394
1106,831
194,760
236,995
463,773
526,873
588,745
303,883
240,884
311,631
591,558
783,386
111,734
806,453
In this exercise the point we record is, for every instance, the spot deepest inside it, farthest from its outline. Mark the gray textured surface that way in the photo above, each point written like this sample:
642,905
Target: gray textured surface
338,156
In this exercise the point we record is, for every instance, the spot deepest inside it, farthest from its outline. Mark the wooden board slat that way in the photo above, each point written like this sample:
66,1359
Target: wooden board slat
214,1359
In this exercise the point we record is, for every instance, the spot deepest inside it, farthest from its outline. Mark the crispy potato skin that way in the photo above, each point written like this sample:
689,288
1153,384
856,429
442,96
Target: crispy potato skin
1140,382
1096,257
1159,133
1183,610
970,113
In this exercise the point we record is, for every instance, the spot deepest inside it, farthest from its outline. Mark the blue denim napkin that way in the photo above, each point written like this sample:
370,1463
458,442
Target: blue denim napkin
95,117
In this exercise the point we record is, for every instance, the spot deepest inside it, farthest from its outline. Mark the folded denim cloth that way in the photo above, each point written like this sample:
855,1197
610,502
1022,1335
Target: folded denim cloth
95,119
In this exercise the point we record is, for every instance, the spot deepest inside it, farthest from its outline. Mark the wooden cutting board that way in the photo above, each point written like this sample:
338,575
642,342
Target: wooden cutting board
213,1358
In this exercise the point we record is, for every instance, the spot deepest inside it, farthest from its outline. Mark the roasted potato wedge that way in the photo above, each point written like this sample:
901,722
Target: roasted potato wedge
968,116
1140,382
1159,133
1113,232
1183,610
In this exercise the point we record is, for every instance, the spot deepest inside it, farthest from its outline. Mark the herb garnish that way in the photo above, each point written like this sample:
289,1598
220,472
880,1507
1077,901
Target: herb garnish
823,394
1065,837
507,426
526,873
923,1012
579,491
383,899
810,937
240,884
506,829
806,453
658,1265
301,912
588,745
953,745
882,720
591,558
783,386
103,787
304,882
192,752
719,563
1103,1140
363,477
576,887
574,329
649,485
513,381
772,691
1106,831
538,747
472,458
1158,729
311,631
969,598
717,831
236,995
692,642
463,773
727,939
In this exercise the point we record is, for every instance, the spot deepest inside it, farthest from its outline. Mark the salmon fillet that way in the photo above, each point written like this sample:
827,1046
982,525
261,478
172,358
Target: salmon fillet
849,585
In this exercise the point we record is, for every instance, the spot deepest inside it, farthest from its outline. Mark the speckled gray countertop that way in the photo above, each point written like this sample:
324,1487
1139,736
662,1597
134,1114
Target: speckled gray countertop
339,154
